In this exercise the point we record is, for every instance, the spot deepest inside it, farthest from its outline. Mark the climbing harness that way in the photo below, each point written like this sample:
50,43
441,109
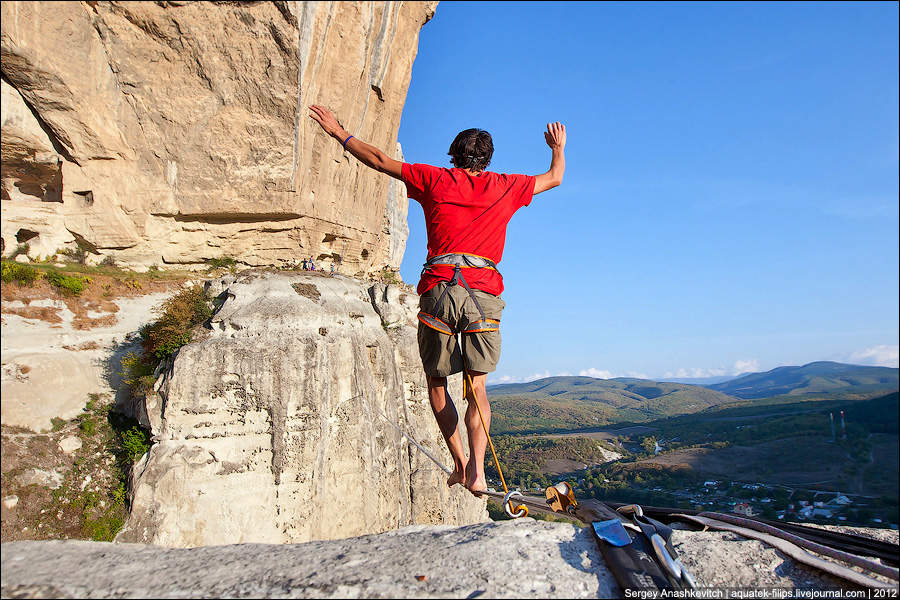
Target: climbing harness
458,262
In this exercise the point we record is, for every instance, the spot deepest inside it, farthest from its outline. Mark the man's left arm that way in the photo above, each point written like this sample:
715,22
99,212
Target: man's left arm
367,154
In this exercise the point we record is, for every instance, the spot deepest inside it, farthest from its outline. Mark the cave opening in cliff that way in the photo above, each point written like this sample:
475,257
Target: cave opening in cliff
24,235
87,197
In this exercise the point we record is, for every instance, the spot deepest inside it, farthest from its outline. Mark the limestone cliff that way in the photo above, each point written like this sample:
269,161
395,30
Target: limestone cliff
175,132
281,424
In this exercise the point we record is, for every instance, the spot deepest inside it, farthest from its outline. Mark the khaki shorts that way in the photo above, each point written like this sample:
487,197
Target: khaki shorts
441,354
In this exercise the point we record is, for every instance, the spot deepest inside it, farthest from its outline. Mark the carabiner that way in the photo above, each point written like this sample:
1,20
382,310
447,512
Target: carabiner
521,510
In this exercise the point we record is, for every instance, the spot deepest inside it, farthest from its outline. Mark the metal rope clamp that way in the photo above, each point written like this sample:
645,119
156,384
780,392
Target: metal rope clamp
561,498
521,509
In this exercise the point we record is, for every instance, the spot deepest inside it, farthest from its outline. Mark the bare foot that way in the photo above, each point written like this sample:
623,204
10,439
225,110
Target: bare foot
457,476
478,486
474,482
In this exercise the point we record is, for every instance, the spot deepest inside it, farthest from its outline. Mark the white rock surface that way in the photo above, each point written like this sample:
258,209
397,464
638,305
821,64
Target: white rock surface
277,425
41,477
70,444
58,377
511,559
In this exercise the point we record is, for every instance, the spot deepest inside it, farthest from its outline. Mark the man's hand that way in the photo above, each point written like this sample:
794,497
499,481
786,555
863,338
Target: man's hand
329,123
367,154
556,139
555,135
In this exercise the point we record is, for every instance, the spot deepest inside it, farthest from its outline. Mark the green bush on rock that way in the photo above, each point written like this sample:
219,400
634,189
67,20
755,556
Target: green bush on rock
68,284
22,274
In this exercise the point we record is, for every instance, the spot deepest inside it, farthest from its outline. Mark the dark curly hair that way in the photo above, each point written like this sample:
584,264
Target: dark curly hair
472,149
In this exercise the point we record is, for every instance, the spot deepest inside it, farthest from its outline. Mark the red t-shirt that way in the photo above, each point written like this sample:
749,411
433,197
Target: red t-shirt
466,214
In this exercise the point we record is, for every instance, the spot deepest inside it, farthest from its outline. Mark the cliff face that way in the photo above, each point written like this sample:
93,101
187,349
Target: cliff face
175,132
281,425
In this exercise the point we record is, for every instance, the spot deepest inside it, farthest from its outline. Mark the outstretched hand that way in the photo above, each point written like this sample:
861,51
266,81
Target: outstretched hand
323,117
555,135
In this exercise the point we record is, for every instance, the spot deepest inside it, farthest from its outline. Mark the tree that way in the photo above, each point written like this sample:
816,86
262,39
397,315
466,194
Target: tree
648,444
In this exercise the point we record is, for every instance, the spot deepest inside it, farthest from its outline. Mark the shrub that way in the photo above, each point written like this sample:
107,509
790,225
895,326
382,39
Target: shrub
179,315
20,249
390,276
68,284
76,255
221,263
135,370
108,261
21,274
136,442
57,423
91,404
119,495
103,529
88,425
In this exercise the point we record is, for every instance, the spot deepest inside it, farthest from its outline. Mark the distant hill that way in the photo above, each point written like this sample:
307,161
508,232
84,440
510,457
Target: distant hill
814,378
707,381
560,403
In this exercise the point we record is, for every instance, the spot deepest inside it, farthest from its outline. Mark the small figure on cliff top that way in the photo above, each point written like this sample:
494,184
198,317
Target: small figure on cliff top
466,210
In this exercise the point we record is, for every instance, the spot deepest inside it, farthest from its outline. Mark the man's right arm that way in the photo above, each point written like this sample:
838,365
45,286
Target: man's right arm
556,139
367,154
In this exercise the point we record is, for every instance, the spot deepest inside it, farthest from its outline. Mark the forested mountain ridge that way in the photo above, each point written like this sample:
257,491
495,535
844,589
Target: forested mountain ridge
580,402
570,402
815,377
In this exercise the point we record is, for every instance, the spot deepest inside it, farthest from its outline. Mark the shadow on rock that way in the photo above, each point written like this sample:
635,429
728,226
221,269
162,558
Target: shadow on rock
582,554
124,403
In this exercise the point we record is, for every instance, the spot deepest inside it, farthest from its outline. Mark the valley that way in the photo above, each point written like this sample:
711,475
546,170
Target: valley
776,456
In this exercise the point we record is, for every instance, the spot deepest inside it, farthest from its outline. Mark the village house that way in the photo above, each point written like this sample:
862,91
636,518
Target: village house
742,508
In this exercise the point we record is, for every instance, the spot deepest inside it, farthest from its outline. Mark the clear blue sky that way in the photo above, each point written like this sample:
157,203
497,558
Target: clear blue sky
731,194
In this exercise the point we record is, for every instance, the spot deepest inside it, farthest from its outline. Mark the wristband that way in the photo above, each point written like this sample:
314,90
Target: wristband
345,142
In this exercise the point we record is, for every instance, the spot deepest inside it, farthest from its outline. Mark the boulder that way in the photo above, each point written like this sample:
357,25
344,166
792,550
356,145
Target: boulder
283,423
70,444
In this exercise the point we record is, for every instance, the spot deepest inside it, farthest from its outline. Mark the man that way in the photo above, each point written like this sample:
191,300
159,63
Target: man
466,210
